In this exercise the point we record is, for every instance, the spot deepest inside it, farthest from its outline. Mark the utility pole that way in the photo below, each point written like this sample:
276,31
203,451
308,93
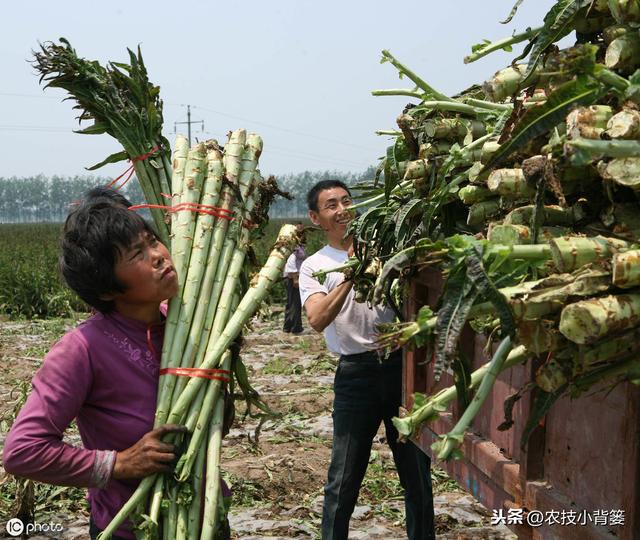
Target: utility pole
189,122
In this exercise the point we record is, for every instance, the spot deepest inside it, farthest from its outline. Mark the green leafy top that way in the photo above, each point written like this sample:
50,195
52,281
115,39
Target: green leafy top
119,98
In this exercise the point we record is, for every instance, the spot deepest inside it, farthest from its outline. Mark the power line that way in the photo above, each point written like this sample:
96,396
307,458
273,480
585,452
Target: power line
275,149
242,119
39,129
189,122
278,128
7,94
302,155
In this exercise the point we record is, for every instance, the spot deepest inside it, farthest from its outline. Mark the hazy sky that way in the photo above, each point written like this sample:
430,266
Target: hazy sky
297,72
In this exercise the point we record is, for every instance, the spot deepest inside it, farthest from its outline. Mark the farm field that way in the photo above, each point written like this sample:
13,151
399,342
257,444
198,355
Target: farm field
276,469
31,283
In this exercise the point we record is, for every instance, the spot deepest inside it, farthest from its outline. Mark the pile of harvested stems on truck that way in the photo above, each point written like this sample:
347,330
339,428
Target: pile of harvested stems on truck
217,207
523,191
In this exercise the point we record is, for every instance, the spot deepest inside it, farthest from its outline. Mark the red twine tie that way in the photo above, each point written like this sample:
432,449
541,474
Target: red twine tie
222,213
129,172
211,374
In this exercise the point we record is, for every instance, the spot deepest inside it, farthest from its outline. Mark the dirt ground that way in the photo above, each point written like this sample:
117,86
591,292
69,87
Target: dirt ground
276,468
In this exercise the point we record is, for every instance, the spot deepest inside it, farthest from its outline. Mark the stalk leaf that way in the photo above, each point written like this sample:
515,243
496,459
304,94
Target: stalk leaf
113,158
390,172
98,128
405,213
539,120
542,402
458,298
462,380
514,9
400,154
557,24
485,287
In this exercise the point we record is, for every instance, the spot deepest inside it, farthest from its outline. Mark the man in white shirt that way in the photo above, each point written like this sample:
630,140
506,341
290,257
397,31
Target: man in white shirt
367,389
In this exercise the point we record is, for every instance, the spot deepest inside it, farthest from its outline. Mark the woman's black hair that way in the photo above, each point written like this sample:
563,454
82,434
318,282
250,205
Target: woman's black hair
94,236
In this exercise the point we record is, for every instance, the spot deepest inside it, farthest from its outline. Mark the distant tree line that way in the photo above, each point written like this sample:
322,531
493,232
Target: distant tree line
40,199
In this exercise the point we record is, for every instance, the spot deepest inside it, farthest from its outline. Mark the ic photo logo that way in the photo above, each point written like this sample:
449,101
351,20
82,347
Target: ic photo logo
15,527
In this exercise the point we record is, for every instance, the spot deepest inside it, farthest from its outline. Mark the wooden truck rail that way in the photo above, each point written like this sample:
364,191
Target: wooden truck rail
581,467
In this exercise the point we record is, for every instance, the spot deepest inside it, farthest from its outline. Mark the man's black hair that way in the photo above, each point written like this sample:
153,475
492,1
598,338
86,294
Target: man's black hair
314,192
94,235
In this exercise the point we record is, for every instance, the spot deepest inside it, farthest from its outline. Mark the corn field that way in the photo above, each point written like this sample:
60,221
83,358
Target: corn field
31,285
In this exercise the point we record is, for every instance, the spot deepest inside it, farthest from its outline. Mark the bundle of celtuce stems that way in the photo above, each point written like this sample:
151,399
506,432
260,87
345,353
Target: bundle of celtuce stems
215,195
218,204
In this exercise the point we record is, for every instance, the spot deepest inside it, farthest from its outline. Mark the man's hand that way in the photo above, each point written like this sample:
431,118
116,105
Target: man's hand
148,456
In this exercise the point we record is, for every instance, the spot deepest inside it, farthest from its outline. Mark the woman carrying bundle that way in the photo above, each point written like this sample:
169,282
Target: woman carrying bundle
104,373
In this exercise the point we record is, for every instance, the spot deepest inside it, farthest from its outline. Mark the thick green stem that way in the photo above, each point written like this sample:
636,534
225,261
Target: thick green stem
453,106
418,81
138,497
626,269
572,252
179,162
272,270
212,396
398,92
408,426
212,486
489,105
391,132
501,44
196,502
590,320
454,438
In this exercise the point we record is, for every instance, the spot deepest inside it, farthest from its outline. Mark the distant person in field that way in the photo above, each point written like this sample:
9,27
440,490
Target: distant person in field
367,388
104,373
293,309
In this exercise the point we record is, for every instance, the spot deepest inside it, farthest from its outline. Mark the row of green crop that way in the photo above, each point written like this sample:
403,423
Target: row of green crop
30,282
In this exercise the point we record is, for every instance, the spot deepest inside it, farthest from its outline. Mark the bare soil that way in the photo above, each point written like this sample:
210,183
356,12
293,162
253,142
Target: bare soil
276,467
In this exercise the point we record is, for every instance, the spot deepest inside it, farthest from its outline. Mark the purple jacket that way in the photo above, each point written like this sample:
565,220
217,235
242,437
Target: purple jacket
103,374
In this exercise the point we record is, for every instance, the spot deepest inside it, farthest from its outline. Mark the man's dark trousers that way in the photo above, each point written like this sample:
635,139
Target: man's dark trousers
293,309
368,391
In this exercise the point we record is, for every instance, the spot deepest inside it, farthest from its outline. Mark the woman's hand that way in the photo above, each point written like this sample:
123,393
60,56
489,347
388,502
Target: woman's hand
148,456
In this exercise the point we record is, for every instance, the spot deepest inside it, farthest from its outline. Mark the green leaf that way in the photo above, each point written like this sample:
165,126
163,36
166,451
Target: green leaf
462,380
390,173
113,158
486,288
542,402
557,24
479,46
400,154
457,300
419,400
514,9
97,128
406,212
541,119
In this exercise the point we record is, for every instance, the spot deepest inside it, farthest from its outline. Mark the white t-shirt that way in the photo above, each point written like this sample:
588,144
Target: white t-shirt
290,267
354,329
